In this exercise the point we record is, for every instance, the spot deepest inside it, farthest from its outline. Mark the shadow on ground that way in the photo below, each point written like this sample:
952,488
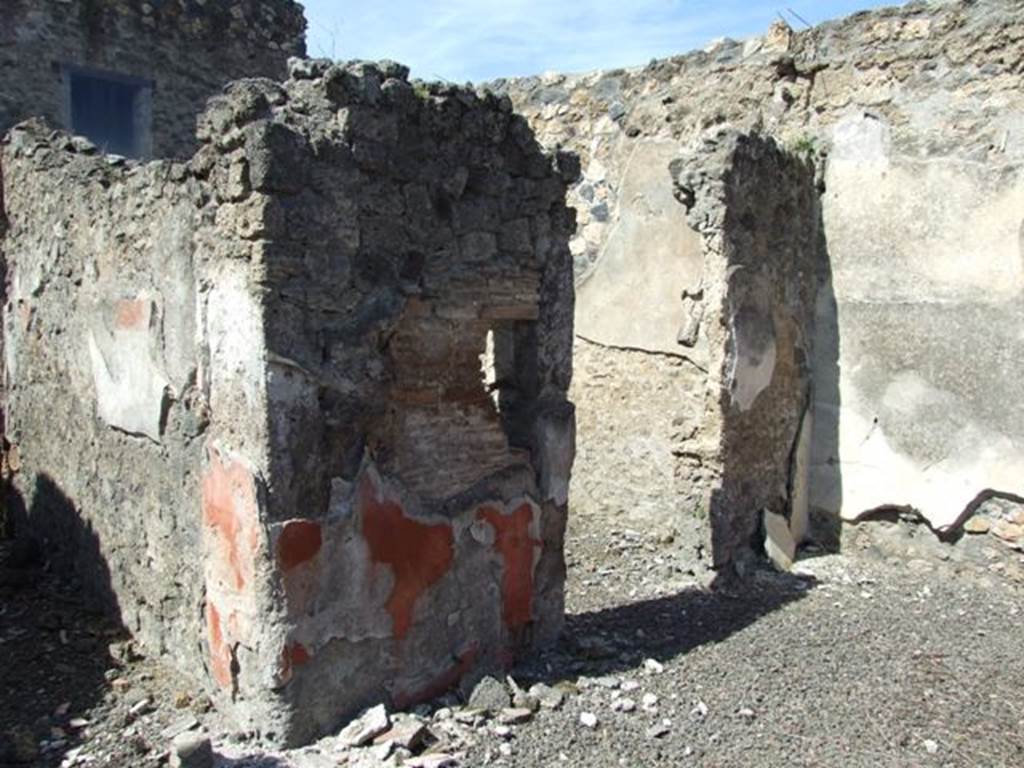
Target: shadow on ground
54,642
623,637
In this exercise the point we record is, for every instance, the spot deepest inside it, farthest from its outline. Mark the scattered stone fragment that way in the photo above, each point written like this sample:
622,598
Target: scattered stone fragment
649,701
607,681
489,695
182,724
523,700
746,713
515,716
548,696
366,727
653,666
191,750
624,704
657,730
699,711
1008,531
628,686
978,525
140,707
435,760
469,716
588,719
408,734
502,731
505,749
513,686
932,747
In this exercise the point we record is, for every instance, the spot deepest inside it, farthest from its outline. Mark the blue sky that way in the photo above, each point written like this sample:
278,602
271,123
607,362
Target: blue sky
478,40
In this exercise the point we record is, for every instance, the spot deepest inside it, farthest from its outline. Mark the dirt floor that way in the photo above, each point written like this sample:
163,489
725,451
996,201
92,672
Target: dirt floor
902,651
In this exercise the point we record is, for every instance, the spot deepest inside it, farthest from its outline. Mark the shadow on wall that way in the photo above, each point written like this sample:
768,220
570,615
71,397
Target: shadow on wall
54,651
65,541
824,527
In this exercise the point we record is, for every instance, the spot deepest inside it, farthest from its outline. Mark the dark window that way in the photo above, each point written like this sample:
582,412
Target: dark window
108,112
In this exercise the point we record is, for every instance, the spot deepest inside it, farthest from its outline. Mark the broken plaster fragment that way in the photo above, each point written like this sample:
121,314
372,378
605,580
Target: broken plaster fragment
131,387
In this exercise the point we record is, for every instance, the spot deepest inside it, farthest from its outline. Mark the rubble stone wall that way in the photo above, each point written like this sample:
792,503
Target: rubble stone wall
186,50
915,117
754,310
103,413
364,510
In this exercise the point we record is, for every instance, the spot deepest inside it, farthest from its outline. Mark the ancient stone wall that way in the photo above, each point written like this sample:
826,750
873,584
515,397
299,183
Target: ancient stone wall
355,509
183,51
103,413
754,312
915,117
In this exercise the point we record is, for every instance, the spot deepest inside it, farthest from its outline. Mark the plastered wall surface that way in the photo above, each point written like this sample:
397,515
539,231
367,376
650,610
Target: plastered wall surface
915,119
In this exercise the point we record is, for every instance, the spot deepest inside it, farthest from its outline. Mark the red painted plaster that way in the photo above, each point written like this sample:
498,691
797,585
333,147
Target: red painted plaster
516,547
220,653
292,655
230,512
298,655
299,542
132,314
418,554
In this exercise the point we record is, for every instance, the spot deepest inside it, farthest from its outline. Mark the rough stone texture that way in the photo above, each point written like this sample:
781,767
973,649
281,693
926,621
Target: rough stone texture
186,49
335,506
103,409
762,257
631,410
917,116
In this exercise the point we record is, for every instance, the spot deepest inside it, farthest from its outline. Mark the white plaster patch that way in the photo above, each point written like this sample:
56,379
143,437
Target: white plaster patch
799,496
861,139
918,234
779,544
908,393
235,335
875,474
131,386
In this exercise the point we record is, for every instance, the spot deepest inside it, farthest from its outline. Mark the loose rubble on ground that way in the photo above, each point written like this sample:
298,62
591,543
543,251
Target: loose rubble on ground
901,650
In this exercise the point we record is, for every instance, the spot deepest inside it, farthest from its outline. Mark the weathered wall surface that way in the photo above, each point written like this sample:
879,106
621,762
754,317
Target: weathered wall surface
762,266
302,459
187,49
917,114
102,408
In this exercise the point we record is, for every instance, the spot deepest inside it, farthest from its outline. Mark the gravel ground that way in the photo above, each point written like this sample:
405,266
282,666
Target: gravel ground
900,652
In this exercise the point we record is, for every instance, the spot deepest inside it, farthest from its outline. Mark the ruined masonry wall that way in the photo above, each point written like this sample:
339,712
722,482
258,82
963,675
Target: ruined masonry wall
188,49
102,408
916,115
763,262
374,520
